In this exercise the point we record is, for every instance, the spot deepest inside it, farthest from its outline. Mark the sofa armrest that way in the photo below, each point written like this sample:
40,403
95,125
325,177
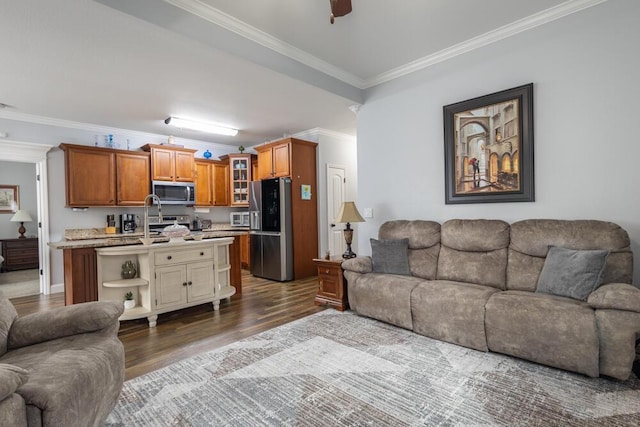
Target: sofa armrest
65,321
358,265
616,296
11,378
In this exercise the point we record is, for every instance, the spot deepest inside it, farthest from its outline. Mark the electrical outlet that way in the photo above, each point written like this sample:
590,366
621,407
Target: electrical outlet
368,212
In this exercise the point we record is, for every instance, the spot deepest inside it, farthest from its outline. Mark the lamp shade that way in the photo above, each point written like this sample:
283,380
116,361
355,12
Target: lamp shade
21,216
349,213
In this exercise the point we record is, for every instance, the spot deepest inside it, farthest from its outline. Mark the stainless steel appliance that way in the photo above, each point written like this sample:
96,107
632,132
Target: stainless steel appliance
270,229
155,224
175,193
127,223
239,219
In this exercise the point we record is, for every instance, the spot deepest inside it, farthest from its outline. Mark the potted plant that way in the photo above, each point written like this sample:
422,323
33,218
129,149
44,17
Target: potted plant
129,301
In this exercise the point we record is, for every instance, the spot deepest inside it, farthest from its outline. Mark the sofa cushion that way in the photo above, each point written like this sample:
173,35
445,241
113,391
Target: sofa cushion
474,251
543,328
389,256
424,244
384,297
451,311
530,241
8,315
572,273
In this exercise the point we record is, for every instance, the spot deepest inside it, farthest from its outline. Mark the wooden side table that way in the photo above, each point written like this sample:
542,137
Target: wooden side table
20,254
332,286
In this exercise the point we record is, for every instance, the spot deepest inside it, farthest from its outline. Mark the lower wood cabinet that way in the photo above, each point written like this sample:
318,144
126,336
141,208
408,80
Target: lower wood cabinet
80,277
19,254
245,251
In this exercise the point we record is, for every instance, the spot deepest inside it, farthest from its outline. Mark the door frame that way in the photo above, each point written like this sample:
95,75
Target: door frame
28,152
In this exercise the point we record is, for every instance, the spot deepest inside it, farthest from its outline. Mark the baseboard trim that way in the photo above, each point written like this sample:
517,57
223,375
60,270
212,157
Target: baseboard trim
57,288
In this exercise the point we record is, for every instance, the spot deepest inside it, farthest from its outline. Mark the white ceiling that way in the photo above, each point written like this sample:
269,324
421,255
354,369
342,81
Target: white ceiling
267,67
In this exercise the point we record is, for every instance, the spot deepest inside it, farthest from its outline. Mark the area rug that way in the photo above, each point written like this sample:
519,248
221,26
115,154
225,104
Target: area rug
21,283
333,368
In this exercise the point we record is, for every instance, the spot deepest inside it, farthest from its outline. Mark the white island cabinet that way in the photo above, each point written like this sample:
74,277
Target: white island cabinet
170,276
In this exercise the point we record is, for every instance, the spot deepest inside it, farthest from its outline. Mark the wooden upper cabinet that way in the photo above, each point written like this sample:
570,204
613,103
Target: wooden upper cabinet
282,160
212,183
220,183
133,170
164,165
171,163
204,183
265,164
274,159
185,166
90,175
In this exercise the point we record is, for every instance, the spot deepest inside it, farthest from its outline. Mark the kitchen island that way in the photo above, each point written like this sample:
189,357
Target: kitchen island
80,258
169,276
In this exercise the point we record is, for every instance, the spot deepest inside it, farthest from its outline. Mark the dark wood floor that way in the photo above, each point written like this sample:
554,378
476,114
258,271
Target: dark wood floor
263,305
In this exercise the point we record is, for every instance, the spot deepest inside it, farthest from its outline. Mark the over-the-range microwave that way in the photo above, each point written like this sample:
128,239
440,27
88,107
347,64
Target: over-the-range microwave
239,219
175,193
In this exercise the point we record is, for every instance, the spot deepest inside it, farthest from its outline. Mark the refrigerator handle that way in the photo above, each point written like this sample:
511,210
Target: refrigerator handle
254,216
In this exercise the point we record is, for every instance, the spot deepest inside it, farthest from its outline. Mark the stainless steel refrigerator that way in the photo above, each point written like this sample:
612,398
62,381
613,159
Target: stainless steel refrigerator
270,229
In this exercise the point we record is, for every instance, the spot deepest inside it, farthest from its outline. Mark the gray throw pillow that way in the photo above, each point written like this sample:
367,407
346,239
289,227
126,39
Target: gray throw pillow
572,273
390,256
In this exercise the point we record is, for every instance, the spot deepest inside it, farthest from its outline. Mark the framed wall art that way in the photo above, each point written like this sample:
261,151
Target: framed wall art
9,199
489,148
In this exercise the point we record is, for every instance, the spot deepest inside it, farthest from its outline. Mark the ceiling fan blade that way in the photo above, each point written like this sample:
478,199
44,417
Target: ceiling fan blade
340,7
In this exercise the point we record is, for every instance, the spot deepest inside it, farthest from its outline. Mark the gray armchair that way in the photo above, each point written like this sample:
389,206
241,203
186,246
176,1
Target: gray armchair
62,367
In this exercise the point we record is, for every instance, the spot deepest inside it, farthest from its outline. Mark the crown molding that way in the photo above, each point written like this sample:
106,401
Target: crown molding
216,16
224,20
50,121
324,132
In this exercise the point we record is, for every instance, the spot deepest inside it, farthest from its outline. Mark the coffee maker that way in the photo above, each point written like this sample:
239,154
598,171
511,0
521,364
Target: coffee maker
127,223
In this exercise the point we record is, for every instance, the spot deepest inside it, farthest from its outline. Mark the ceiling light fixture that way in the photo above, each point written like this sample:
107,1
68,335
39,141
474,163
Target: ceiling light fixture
200,125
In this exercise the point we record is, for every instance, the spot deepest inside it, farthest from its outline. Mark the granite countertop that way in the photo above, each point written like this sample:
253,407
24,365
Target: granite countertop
101,240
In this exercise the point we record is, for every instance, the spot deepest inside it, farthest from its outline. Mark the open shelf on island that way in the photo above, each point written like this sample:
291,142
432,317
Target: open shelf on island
134,313
125,283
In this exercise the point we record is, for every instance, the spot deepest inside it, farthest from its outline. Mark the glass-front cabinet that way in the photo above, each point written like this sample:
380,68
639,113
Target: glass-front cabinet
240,167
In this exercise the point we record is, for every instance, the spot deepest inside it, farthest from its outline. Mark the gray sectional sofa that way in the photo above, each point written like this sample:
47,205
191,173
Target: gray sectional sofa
492,286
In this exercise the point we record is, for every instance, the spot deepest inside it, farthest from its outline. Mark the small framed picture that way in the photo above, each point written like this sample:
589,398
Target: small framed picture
9,199
306,192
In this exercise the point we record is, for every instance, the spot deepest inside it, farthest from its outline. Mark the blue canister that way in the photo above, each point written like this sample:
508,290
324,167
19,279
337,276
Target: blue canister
207,154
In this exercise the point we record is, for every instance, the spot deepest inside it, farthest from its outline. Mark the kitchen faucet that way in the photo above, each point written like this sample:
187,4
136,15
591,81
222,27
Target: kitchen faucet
153,198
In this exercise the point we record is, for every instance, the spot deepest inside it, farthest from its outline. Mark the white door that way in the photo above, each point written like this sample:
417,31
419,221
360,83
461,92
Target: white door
336,195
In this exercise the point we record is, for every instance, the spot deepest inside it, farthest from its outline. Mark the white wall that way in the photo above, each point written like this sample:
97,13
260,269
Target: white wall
585,73
24,176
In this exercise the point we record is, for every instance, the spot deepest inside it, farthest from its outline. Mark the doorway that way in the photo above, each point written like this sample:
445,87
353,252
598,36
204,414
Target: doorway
336,195
27,152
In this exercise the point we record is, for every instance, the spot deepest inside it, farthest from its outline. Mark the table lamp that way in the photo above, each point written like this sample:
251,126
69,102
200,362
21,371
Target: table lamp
348,213
21,216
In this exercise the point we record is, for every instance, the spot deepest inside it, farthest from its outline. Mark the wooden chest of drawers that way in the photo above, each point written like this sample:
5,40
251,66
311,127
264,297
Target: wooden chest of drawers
19,254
